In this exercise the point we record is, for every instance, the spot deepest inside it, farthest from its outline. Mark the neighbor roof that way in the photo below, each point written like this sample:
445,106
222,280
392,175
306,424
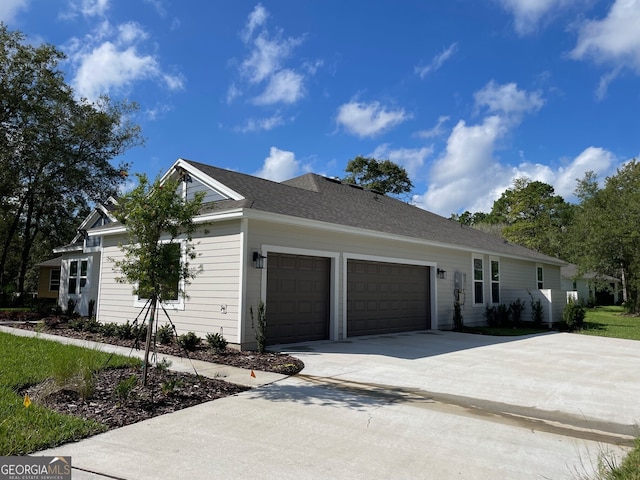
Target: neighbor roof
323,199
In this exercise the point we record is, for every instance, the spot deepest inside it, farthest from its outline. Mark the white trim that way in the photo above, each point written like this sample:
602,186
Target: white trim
541,267
178,304
402,261
242,287
203,178
491,282
334,330
474,257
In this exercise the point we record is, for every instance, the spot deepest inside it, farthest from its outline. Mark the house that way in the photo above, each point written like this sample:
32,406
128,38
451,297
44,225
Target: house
80,261
590,288
49,278
330,261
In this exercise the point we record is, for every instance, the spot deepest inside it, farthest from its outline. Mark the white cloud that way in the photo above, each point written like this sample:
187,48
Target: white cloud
603,85
257,18
529,13
437,61
10,8
106,68
285,86
368,119
412,159
507,100
595,159
279,165
261,124
614,40
479,182
435,131
267,56
109,60
87,8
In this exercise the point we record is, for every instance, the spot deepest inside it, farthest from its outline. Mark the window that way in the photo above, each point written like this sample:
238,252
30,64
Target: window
78,270
540,277
478,281
170,283
54,280
495,282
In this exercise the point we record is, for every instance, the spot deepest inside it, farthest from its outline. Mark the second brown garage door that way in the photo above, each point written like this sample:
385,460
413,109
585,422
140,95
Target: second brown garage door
297,298
387,298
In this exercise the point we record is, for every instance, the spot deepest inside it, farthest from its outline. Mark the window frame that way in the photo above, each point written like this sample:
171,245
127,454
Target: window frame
52,282
80,279
540,277
494,282
478,282
179,303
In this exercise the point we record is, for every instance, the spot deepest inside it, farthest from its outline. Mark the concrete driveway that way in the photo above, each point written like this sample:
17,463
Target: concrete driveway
433,405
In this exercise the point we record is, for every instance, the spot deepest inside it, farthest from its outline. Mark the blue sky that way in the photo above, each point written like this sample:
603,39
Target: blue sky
467,95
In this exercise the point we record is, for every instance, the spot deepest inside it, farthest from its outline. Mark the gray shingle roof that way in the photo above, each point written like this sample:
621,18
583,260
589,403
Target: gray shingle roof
315,197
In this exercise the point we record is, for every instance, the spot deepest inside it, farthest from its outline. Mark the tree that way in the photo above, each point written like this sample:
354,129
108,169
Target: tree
534,216
55,152
159,247
606,231
381,175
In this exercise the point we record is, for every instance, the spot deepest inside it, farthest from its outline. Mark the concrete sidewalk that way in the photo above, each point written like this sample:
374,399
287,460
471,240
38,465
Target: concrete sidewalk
239,376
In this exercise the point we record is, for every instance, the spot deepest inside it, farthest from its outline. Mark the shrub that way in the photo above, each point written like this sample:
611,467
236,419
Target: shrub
458,321
516,307
217,342
71,307
189,341
92,306
261,330
497,315
139,331
125,331
537,312
165,334
91,325
573,316
109,329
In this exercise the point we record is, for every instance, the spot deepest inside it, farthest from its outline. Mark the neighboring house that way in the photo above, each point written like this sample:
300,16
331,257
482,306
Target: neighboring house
590,288
49,278
329,260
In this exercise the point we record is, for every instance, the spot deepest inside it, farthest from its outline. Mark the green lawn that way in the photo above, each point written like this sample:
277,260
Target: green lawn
29,361
611,322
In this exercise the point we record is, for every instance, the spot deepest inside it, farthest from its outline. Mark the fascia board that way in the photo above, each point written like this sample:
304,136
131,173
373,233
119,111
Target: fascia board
204,178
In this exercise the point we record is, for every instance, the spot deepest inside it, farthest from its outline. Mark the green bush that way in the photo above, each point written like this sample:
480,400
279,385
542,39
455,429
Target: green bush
458,321
189,341
217,342
261,329
573,316
109,329
165,334
124,389
497,316
125,331
516,307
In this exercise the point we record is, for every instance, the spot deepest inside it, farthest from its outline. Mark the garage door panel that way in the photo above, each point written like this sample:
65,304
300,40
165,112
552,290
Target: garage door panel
386,298
297,298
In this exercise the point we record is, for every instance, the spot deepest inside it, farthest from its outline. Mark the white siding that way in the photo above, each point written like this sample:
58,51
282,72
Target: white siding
213,296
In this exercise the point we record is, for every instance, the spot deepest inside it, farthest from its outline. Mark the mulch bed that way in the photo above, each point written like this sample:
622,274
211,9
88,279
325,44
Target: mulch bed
114,402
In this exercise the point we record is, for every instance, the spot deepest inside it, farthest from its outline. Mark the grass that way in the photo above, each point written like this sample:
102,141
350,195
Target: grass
27,361
611,322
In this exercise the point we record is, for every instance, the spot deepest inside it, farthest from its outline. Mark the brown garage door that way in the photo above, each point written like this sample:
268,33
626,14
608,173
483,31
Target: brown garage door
386,298
297,298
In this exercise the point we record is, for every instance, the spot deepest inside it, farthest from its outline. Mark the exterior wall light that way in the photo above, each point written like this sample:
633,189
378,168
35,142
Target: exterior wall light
258,260
441,273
